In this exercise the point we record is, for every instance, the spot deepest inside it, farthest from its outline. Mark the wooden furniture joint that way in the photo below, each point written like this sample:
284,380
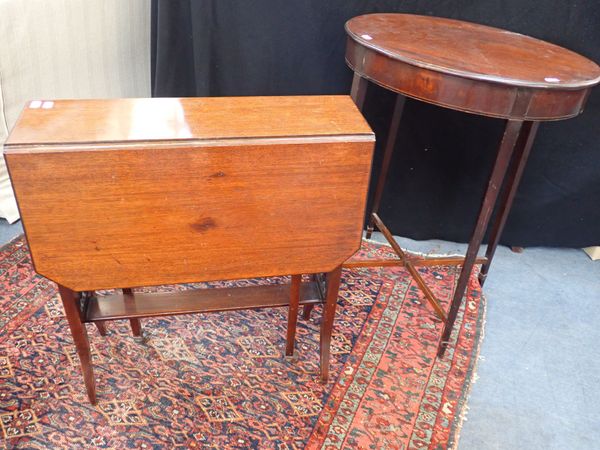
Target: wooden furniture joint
474,69
220,189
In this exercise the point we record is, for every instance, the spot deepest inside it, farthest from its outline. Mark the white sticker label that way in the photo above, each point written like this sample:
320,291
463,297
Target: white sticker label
47,105
551,79
366,36
35,104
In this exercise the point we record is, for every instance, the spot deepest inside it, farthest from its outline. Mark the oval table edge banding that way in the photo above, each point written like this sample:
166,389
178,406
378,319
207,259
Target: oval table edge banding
475,92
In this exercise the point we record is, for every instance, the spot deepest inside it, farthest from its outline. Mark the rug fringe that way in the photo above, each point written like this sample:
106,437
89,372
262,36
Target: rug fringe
412,252
462,415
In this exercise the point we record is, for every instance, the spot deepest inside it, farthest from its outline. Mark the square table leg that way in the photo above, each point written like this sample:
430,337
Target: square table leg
71,303
293,314
136,326
358,93
505,152
101,326
522,150
387,159
333,286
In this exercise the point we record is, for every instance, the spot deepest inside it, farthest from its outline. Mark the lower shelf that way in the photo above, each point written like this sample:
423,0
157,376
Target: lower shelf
119,306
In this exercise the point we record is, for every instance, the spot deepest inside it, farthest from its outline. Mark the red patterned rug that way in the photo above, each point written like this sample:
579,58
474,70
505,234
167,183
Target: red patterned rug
220,380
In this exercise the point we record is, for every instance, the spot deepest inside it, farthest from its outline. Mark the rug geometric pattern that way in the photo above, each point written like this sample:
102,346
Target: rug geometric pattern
221,380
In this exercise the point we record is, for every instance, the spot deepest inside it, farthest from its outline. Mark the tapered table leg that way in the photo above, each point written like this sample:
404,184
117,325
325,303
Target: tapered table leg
70,300
136,326
333,286
293,314
509,140
522,151
306,310
385,162
101,326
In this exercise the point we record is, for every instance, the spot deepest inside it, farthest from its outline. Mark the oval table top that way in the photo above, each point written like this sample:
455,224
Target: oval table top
445,53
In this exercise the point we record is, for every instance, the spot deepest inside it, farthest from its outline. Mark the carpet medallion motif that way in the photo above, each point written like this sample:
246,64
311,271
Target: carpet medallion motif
221,380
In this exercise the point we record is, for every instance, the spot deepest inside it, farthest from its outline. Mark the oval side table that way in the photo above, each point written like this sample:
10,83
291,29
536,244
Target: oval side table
475,69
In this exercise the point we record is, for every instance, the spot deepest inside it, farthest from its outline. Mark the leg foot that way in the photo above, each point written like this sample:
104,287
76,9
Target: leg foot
482,278
136,327
442,349
293,314
306,310
101,326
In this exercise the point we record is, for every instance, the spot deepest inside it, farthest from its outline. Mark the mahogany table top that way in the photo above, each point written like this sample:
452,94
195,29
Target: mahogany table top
139,192
474,51
421,56
183,120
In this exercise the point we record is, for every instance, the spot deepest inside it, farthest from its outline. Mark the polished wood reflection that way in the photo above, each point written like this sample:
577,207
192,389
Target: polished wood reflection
147,213
475,69
183,120
470,67
142,192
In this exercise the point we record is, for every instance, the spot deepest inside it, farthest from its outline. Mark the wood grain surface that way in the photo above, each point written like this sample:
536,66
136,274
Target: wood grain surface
123,215
185,119
109,307
474,51
470,67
